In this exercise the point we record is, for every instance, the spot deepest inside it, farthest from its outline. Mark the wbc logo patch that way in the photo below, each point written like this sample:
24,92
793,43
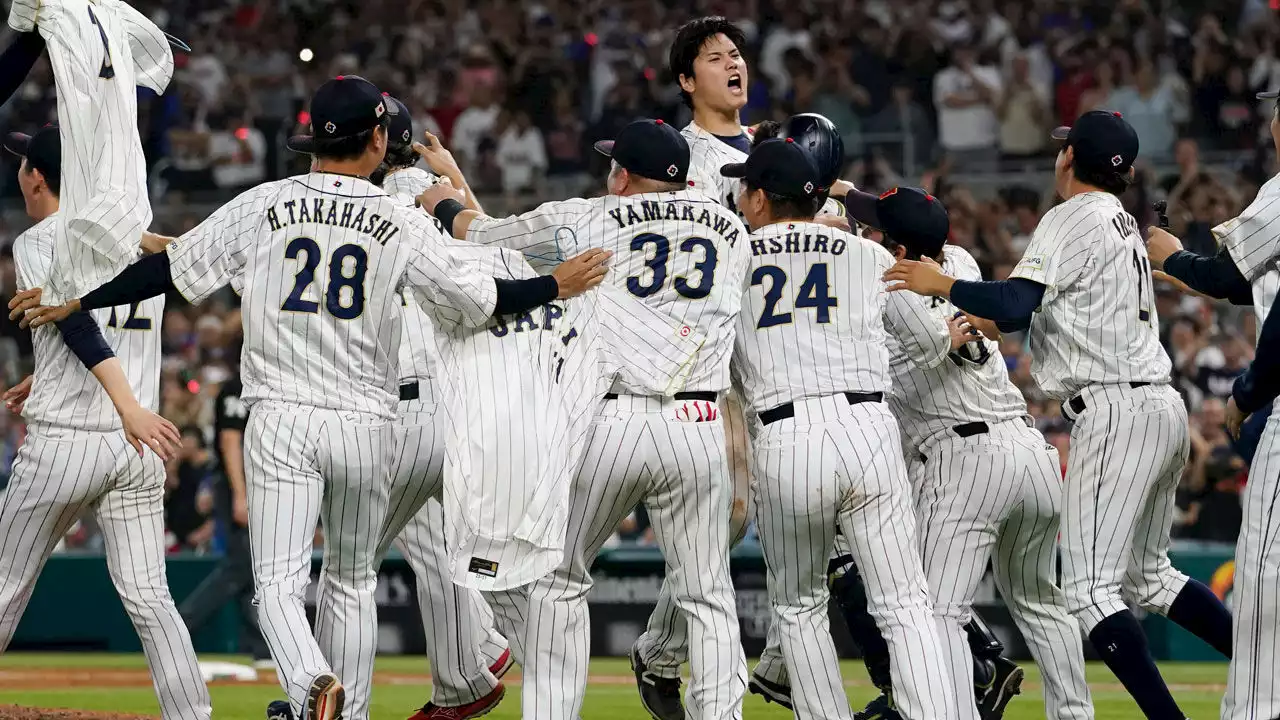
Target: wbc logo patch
808,187
330,128
1116,161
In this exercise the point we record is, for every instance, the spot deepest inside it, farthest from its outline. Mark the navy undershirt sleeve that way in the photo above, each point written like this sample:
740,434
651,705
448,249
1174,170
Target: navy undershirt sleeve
517,296
16,62
1215,276
1260,383
83,336
142,280
1009,303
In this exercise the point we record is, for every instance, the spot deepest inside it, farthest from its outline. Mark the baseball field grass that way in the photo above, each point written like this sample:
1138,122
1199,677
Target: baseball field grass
117,684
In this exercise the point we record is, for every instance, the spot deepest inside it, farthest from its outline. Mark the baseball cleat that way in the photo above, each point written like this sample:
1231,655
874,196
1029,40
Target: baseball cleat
502,664
325,698
882,708
480,707
1005,683
660,696
279,710
770,691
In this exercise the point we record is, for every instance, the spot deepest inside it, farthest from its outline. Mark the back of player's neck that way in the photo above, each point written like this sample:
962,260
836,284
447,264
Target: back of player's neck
44,208
352,168
727,124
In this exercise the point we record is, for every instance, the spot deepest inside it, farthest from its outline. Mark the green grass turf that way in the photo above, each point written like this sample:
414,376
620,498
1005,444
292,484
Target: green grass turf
1198,688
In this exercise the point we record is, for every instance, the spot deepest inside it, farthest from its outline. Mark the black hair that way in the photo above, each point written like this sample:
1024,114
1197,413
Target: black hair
52,179
767,130
398,157
789,208
1110,181
915,248
347,148
689,41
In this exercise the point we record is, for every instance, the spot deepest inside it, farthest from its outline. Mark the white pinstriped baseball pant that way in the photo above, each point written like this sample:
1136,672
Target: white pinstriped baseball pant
60,475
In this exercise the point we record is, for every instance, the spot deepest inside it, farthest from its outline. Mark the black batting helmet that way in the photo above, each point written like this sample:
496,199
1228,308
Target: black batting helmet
819,136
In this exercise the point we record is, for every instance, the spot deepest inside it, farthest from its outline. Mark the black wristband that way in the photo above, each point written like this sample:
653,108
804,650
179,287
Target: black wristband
145,279
446,211
517,296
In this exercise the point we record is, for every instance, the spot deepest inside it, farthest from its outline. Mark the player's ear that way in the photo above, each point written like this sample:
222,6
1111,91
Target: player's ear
687,83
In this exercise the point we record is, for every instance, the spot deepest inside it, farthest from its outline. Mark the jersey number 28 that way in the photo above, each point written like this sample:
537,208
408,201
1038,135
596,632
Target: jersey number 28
344,293
814,292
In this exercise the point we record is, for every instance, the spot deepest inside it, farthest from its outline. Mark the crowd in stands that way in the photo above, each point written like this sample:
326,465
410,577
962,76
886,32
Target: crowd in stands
955,95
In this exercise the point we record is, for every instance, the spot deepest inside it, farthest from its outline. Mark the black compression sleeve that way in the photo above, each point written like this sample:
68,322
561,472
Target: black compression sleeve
16,62
83,336
1215,276
1009,303
517,296
142,280
1260,383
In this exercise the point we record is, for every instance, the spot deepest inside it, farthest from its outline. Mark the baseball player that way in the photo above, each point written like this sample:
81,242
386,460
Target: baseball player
1246,272
99,51
996,679
679,252
321,329
1084,289
77,457
811,356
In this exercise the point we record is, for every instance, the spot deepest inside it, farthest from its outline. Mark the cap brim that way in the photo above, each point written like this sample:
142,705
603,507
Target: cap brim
17,143
304,144
861,206
605,148
734,170
1268,95
1060,133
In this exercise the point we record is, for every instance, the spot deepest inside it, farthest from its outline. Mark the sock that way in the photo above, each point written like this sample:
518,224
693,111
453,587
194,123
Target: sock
1201,612
1122,645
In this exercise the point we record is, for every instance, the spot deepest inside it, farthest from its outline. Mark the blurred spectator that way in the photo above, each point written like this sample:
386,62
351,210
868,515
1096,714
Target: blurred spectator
968,95
1149,108
902,129
238,152
189,501
1024,113
566,145
474,125
792,34
521,155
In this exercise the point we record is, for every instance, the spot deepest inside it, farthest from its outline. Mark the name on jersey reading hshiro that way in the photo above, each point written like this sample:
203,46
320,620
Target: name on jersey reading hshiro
797,242
653,210
331,212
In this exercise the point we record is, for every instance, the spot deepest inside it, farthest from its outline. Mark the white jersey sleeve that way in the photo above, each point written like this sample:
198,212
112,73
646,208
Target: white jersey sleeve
1253,238
212,254
419,344
448,287
542,234
1059,250
923,333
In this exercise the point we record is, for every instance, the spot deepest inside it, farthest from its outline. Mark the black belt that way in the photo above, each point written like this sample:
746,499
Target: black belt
704,395
782,412
409,391
1077,403
968,430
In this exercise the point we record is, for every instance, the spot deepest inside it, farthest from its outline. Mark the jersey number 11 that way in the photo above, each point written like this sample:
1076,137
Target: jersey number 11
1143,268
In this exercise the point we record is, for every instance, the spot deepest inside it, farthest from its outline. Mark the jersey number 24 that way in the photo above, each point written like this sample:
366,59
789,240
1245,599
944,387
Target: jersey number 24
814,292
344,293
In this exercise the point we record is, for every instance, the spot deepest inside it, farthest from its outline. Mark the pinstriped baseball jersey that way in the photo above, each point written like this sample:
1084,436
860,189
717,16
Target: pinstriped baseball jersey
931,391
419,348
680,253
1253,240
815,294
1097,322
320,261
100,51
63,392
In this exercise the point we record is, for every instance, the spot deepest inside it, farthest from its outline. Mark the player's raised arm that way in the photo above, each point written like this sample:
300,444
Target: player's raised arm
534,233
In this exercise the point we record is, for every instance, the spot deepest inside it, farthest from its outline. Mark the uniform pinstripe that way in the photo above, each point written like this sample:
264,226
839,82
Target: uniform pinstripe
991,497
1253,690
321,262
75,461
1095,333
100,50
683,255
812,328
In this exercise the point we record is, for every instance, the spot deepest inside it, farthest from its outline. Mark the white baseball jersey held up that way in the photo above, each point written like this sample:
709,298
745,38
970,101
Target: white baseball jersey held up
100,51
1097,321
320,261
679,253
812,319
63,392
933,389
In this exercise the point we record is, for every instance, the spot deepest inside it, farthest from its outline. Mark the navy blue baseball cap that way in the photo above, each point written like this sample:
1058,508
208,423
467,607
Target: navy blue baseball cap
909,217
42,151
400,126
341,108
1102,141
780,166
651,149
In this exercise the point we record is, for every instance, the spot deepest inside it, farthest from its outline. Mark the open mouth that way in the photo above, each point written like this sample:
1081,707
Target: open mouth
735,83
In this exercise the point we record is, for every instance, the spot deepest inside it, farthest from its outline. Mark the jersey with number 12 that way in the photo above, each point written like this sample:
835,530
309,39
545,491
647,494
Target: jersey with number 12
1097,321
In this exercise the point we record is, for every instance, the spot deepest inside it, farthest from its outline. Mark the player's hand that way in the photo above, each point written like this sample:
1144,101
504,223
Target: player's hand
240,509
582,272
24,301
1235,417
960,330
984,327
923,276
45,314
437,194
153,243
438,157
839,222
1160,245
143,427
16,396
